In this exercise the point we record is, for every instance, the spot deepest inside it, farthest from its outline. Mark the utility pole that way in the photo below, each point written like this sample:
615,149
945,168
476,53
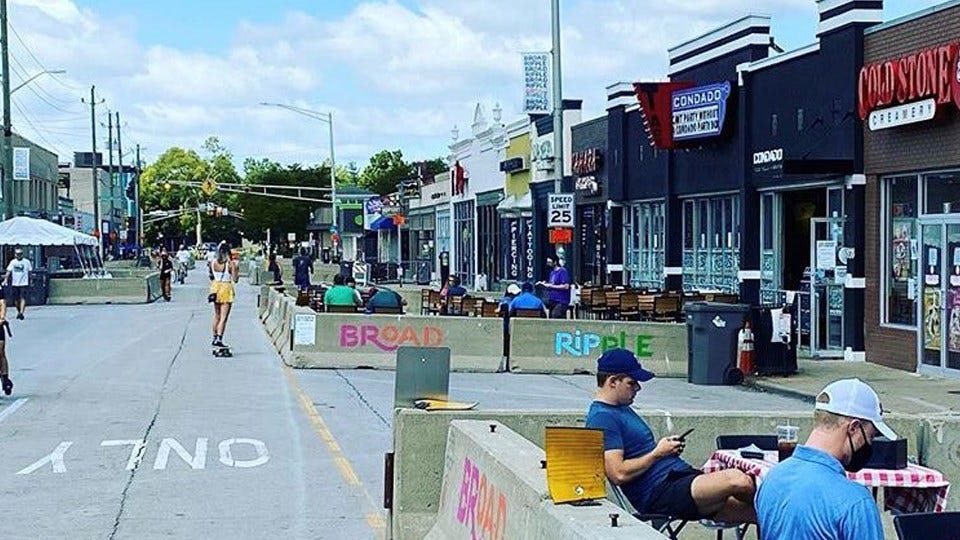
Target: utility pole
136,203
120,166
95,166
7,178
110,170
557,99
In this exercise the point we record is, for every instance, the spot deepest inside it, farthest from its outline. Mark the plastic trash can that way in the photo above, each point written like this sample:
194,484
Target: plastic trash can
712,330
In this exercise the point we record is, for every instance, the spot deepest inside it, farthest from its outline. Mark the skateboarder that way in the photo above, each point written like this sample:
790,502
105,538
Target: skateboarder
225,274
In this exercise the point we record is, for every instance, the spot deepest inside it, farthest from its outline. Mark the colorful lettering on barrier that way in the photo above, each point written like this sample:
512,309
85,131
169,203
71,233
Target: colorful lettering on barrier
389,338
581,344
483,507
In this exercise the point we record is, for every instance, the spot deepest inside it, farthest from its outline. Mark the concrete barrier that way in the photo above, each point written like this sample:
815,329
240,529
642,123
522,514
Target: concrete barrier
419,440
117,290
493,487
346,341
572,346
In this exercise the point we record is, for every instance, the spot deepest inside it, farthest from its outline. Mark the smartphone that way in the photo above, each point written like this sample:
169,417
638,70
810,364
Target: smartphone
683,437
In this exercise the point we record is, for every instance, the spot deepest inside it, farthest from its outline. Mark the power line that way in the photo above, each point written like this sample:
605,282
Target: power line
37,60
33,90
56,148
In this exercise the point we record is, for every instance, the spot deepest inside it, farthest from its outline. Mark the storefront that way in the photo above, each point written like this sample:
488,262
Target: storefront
909,96
489,269
516,214
590,247
424,231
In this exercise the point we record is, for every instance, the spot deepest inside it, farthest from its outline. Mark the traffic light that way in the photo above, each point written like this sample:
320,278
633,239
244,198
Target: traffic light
131,190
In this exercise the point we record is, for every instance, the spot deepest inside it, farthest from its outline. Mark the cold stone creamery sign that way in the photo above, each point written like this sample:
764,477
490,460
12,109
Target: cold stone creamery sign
699,112
910,89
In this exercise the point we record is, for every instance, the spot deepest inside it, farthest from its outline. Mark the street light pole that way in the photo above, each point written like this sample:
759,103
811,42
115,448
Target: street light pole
7,190
557,98
323,117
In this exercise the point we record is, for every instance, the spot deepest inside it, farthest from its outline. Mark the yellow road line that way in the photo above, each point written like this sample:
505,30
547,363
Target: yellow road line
374,520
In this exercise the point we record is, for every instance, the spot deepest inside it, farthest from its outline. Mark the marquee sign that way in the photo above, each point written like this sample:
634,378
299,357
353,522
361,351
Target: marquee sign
656,107
909,89
699,112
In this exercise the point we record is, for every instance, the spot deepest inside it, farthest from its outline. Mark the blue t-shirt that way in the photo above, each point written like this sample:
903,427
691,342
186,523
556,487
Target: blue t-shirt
559,276
301,270
526,301
456,290
623,429
809,496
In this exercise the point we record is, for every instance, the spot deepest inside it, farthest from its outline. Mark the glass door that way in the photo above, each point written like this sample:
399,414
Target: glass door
827,277
939,343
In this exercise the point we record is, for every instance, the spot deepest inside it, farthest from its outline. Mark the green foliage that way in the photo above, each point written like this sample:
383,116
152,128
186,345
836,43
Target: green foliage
281,216
385,170
435,166
158,192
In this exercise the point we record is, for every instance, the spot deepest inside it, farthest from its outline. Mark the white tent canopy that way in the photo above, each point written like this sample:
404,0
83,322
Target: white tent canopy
24,231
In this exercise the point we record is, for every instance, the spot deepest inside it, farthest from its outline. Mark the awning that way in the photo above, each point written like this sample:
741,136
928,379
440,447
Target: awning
382,223
517,205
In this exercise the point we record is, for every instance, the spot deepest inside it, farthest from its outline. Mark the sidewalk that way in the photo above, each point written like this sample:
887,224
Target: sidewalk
900,392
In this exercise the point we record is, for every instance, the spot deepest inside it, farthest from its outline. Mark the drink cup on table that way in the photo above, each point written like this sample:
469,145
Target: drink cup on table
787,437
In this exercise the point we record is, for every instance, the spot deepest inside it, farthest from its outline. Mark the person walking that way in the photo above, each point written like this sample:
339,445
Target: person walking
18,276
225,273
5,381
165,266
302,268
809,495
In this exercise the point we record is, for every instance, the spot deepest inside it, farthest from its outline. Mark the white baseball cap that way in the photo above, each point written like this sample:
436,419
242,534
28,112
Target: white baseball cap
855,399
513,288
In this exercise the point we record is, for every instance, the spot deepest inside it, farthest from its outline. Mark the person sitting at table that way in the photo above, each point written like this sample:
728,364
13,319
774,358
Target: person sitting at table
809,494
341,295
513,291
527,300
453,288
651,473
382,297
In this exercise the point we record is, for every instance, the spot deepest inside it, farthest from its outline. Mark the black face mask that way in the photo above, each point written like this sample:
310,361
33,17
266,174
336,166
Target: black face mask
859,458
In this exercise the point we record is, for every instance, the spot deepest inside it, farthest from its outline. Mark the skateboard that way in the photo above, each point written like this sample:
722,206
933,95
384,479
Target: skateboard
441,405
222,352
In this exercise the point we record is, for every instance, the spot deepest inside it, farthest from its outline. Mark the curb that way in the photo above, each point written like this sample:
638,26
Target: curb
780,390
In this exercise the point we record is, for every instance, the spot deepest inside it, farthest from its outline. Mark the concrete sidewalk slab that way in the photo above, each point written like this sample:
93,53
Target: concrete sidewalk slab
900,392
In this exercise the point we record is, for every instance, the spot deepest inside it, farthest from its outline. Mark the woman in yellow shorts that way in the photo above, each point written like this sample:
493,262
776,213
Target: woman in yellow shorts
225,273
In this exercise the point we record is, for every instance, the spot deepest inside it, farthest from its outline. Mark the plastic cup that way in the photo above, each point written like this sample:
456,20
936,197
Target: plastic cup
787,438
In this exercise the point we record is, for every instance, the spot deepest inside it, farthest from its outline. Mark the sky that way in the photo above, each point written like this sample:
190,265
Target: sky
396,74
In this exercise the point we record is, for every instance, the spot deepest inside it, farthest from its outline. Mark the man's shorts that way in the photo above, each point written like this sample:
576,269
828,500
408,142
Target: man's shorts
18,293
674,496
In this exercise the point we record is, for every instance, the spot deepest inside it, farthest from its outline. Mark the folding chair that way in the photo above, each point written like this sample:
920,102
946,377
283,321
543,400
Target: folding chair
927,526
668,526
733,442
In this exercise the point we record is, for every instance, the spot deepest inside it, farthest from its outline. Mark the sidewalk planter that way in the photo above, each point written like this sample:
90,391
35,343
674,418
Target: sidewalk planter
573,346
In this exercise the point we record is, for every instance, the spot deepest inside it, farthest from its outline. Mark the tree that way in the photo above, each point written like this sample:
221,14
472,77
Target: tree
434,167
159,193
385,171
281,216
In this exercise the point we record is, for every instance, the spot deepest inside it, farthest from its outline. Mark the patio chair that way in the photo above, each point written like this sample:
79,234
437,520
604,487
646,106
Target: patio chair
342,309
668,526
388,310
733,442
927,526
528,313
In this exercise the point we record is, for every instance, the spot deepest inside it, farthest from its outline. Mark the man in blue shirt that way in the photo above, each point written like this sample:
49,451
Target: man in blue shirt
453,288
650,472
527,300
302,268
558,289
809,494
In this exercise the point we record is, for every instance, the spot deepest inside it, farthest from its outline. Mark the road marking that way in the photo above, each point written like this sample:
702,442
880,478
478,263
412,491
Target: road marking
136,454
197,461
226,454
55,458
12,408
374,520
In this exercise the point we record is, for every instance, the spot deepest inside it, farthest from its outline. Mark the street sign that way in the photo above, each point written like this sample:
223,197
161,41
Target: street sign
561,236
209,187
560,212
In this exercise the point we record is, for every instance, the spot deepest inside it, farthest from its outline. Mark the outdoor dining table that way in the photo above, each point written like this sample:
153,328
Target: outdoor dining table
906,491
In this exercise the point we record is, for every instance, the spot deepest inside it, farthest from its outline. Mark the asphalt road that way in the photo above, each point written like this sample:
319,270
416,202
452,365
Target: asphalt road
122,425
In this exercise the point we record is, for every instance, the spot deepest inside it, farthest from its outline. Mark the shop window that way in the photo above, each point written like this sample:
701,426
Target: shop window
711,260
900,246
463,230
942,193
644,244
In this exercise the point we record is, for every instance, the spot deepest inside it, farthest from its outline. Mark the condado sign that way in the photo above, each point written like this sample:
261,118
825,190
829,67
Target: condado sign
699,112
909,89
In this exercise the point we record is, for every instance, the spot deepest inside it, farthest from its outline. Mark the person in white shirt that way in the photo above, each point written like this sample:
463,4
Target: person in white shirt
183,261
18,276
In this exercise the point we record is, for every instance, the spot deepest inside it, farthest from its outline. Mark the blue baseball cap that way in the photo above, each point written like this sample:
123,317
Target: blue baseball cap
623,361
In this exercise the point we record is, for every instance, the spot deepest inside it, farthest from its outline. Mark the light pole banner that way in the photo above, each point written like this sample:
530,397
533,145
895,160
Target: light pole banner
536,82
21,163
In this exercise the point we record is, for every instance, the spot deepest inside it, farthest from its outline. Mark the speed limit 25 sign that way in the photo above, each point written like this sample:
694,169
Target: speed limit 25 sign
560,210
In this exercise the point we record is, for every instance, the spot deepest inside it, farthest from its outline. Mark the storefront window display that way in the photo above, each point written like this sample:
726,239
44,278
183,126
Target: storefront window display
901,212
711,258
644,244
942,193
488,228
443,231
463,231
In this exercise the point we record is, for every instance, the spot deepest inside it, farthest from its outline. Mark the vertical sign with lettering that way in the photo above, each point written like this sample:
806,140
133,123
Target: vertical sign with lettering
536,82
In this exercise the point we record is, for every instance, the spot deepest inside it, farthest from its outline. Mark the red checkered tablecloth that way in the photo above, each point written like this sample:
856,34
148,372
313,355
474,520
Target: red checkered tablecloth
914,489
